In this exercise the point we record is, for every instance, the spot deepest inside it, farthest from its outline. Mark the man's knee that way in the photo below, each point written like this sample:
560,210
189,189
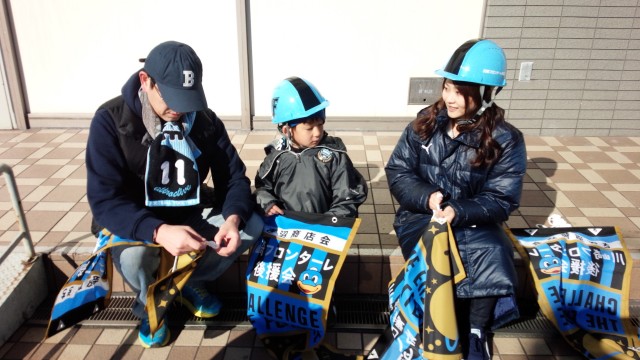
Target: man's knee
250,233
253,228
134,259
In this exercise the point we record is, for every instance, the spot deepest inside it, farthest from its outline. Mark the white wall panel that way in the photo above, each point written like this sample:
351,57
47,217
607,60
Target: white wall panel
359,53
77,54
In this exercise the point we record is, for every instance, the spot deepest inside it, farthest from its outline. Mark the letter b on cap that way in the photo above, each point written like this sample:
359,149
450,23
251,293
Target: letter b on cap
189,78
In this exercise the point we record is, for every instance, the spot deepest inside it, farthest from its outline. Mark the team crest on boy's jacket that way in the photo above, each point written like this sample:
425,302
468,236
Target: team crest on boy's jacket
325,155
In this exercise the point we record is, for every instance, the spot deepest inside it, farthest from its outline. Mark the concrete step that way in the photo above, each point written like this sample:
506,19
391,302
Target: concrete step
360,295
366,271
355,313
23,287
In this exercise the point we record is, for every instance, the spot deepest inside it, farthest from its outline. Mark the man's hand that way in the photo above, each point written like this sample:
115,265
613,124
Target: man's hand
179,239
228,236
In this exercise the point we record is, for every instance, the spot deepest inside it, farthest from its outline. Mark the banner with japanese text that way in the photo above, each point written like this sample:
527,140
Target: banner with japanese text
582,276
172,275
421,300
88,289
290,278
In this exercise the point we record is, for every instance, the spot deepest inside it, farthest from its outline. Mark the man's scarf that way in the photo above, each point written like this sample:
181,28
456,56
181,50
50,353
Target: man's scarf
171,176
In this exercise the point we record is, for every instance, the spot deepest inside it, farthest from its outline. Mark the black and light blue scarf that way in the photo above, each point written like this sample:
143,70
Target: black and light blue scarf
171,177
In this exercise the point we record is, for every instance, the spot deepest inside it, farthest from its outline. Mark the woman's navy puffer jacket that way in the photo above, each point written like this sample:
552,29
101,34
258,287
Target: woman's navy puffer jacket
482,199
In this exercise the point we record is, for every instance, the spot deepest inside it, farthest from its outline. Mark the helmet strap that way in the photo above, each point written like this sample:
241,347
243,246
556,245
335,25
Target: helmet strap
485,105
290,139
465,121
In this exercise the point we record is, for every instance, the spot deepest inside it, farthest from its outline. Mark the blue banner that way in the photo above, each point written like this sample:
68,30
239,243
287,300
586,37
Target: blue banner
88,290
582,276
290,278
421,301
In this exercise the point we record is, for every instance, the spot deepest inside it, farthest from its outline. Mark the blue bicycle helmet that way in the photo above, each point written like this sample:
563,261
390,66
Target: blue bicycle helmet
477,61
295,98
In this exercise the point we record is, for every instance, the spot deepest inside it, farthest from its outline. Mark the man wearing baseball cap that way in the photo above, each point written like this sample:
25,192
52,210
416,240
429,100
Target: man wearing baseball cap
148,153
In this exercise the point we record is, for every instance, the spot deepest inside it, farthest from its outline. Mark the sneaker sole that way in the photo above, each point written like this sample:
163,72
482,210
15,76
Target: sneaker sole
194,311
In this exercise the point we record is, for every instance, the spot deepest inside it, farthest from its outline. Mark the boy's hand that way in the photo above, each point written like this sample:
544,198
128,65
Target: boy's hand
178,239
228,236
275,210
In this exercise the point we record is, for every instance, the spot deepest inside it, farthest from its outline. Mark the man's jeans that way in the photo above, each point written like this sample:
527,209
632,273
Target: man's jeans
138,264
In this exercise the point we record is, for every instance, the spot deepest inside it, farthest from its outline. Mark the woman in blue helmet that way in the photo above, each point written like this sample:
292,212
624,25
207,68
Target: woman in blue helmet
305,169
460,160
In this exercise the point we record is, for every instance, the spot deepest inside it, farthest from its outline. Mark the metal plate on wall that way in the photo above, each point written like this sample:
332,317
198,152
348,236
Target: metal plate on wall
424,91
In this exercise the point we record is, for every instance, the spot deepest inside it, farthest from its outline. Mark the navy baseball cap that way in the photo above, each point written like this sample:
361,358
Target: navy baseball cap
177,71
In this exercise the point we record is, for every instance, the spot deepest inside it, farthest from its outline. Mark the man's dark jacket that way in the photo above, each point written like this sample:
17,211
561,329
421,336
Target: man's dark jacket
116,163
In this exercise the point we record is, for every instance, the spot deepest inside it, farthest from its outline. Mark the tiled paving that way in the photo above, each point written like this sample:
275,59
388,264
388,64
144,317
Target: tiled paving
589,180
234,344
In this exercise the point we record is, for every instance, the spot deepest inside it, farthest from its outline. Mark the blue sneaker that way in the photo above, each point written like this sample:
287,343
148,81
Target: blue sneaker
159,339
200,302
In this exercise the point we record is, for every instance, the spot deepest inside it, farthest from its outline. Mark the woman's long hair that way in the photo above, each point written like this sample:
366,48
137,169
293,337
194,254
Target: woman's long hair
489,150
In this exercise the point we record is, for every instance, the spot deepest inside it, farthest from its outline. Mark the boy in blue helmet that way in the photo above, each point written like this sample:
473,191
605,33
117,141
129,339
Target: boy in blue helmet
306,169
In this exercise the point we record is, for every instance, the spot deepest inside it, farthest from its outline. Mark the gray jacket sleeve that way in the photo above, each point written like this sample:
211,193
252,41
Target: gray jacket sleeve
349,189
264,193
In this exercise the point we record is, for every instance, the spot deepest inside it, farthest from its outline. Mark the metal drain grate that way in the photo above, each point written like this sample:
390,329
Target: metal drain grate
539,325
362,313
357,312
234,313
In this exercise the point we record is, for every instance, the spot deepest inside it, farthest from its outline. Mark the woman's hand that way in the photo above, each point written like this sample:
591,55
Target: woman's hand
447,213
435,199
